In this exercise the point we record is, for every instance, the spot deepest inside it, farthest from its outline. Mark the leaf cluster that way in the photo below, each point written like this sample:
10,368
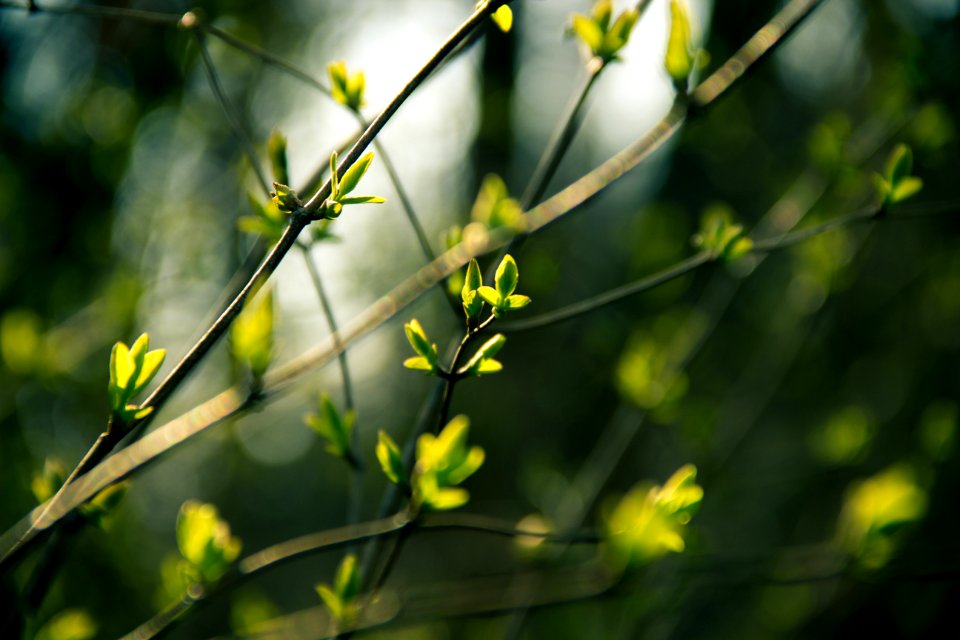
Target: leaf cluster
443,462
649,521
131,370
335,428
205,542
340,598
601,35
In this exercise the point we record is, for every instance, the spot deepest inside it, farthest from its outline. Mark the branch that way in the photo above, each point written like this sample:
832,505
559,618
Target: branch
213,411
283,553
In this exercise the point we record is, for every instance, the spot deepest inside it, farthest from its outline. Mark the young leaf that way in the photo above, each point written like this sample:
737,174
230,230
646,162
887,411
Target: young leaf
362,200
507,277
588,31
444,461
907,187
486,351
131,370
347,89
332,601
489,295
334,176
472,302
346,582
899,164
285,198
419,363
277,152
417,338
390,459
602,12
503,17
205,541
679,57
332,427
517,302
353,175
473,279
252,334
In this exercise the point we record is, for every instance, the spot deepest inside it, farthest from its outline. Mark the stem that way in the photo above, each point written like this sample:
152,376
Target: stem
230,112
451,380
561,139
609,297
355,503
267,560
399,525
147,17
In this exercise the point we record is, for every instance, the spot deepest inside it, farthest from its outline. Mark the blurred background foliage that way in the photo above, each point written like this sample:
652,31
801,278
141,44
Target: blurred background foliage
816,390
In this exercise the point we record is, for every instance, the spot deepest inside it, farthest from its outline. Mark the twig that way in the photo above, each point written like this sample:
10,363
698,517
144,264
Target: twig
355,504
230,112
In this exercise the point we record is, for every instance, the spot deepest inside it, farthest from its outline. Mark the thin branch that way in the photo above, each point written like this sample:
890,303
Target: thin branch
264,561
332,324
230,112
607,298
451,380
355,504
118,13
266,57
283,553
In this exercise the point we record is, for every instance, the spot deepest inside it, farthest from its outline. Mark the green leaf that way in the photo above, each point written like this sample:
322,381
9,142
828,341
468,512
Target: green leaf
347,580
48,481
345,88
446,499
507,277
333,427
907,187
899,164
487,367
417,338
589,32
390,459
679,57
487,350
122,367
473,279
503,17
332,601
152,362
137,413
619,33
251,337
489,295
362,200
602,12
139,350
205,541
334,177
516,302
70,624
473,461
277,152
419,363
285,198
353,175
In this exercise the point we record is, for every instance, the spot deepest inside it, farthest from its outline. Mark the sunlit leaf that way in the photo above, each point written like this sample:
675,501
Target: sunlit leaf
353,175
503,17
390,458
